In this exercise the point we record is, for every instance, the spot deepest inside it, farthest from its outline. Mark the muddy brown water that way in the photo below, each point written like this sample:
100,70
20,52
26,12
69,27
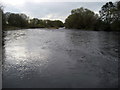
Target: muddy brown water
60,58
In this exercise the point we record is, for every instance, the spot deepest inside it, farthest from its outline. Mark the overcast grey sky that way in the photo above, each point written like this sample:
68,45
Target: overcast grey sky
50,9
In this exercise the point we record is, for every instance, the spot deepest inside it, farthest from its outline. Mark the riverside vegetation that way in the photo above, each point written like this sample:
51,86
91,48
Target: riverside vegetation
80,18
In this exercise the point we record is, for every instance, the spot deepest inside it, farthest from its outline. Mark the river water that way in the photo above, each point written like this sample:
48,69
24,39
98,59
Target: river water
60,58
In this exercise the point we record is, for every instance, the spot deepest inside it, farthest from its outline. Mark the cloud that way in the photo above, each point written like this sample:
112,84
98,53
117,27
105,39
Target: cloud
49,10
57,10
14,2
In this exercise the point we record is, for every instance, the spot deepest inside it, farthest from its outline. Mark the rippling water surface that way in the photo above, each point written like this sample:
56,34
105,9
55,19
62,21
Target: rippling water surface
46,58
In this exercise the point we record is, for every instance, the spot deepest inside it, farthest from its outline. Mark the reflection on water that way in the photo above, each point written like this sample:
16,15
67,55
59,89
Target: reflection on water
43,58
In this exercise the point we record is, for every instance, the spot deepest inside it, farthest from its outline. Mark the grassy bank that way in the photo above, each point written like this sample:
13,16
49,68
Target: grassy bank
17,28
11,28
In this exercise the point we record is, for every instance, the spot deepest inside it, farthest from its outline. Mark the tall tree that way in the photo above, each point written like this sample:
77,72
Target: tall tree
116,15
81,18
17,20
106,14
110,15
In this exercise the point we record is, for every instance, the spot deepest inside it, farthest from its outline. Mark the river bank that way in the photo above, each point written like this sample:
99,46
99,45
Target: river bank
10,28
7,28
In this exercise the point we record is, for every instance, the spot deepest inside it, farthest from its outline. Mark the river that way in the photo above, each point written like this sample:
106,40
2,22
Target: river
60,58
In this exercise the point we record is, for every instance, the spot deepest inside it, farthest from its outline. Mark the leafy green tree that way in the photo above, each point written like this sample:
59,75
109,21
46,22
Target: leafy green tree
115,25
110,16
106,14
37,23
81,18
17,20
57,23
34,22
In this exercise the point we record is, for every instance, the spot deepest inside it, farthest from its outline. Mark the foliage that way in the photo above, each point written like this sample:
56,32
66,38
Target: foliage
110,15
20,20
37,23
81,18
17,20
23,21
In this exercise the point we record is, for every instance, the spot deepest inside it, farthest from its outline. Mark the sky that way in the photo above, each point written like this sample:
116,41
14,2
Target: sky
50,9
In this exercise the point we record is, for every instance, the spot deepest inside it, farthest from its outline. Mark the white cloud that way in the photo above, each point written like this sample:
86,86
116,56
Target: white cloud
20,2
42,9
13,2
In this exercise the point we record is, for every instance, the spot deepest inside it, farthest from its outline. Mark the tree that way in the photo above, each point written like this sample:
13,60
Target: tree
37,23
106,14
110,15
115,25
34,22
81,18
57,23
17,20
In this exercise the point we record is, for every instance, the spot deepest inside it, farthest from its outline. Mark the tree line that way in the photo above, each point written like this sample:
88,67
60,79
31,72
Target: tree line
83,18
80,18
23,21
